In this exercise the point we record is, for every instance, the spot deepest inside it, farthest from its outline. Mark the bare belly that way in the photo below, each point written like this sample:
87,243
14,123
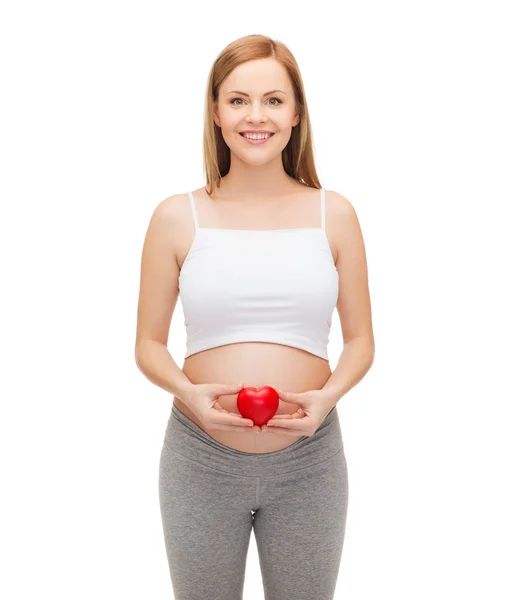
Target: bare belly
255,364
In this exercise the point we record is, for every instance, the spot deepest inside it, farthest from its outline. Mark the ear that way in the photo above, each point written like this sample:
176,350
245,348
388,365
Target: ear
296,120
216,114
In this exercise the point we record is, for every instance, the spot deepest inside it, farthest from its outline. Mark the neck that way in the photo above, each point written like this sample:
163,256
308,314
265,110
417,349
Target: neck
255,183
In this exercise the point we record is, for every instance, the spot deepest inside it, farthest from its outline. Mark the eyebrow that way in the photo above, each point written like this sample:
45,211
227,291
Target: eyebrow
244,94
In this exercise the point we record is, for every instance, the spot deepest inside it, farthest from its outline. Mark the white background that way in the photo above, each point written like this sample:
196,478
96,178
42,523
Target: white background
102,115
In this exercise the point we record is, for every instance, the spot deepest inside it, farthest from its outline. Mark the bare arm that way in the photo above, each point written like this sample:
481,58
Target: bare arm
354,306
158,296
155,361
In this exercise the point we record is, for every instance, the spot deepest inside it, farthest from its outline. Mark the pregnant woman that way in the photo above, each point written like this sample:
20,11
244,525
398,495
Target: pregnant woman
260,257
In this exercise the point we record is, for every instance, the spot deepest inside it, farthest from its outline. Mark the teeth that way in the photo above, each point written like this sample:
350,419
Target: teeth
254,136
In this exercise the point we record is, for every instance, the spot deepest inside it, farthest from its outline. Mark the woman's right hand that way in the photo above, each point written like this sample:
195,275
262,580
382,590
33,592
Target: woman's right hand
201,399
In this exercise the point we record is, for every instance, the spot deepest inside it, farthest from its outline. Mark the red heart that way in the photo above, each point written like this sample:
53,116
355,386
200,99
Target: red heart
258,404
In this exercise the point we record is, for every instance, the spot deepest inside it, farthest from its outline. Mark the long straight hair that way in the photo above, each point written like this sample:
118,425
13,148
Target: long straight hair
298,156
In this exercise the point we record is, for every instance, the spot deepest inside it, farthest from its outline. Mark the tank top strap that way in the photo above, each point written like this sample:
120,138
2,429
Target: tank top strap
322,207
193,208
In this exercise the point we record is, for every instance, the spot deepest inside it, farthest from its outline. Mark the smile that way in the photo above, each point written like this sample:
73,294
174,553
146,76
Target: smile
252,138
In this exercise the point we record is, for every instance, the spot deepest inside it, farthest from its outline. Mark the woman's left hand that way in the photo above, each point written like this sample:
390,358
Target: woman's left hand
315,405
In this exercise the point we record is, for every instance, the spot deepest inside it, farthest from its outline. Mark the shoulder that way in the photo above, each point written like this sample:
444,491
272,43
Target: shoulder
168,225
337,205
341,219
340,212
171,207
171,214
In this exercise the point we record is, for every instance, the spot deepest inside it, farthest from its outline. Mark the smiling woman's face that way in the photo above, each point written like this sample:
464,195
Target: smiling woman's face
245,104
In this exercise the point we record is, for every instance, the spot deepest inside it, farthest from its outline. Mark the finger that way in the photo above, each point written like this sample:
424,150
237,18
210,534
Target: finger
282,431
239,418
294,420
295,415
232,419
286,396
237,415
283,423
235,428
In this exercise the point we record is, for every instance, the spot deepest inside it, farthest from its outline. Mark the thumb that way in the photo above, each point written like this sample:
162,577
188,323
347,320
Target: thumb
286,396
225,389
232,387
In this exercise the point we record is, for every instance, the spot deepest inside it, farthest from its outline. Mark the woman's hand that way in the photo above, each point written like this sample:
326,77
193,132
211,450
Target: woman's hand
201,399
315,405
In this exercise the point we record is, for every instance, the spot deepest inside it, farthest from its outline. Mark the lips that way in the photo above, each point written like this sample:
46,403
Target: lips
256,141
242,133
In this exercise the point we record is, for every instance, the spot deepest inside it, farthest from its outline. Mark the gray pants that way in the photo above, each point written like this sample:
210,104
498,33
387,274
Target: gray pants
212,497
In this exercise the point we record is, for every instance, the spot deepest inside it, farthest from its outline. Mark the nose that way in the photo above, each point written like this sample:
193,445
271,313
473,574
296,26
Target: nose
256,114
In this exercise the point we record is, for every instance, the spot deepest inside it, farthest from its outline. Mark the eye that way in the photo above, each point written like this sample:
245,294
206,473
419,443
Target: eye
274,98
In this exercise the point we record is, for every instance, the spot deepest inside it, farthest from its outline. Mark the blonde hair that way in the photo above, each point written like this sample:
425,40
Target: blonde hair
298,159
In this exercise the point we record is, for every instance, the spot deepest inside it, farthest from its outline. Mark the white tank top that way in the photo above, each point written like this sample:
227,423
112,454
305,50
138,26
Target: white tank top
259,285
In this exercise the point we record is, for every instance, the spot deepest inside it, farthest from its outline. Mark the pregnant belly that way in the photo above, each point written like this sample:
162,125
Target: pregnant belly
255,364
